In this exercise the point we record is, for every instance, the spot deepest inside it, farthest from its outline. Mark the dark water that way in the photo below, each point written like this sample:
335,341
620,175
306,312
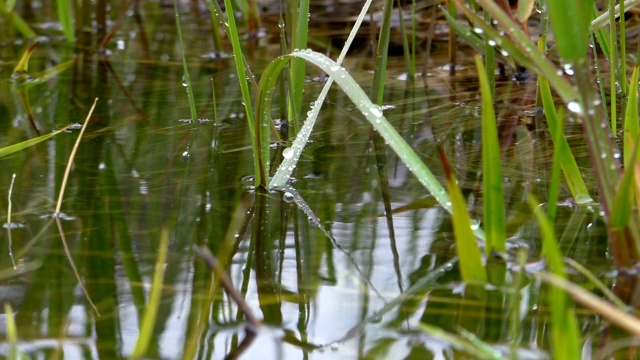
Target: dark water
356,286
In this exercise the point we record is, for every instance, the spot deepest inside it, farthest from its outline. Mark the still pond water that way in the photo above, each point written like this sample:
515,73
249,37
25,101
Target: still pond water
329,274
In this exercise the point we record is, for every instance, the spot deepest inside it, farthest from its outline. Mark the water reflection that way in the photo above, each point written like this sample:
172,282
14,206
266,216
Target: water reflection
351,280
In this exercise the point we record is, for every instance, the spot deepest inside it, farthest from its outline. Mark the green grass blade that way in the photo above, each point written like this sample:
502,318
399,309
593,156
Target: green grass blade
289,163
372,113
623,201
469,255
12,332
631,126
66,19
186,80
520,47
570,20
568,163
494,218
470,38
151,312
27,143
298,66
261,160
18,23
382,52
613,63
565,338
554,185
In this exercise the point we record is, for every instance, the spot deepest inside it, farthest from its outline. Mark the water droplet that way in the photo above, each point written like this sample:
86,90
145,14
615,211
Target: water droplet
375,110
184,81
287,197
287,153
575,107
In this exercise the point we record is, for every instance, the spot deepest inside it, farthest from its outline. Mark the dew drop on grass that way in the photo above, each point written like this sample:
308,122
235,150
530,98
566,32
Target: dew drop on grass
575,107
287,197
184,81
287,153
375,110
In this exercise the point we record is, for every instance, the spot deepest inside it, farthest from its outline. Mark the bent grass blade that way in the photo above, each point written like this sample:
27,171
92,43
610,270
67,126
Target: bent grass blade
373,113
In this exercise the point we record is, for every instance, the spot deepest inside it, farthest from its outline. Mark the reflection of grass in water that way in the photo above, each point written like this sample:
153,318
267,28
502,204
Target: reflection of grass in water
262,151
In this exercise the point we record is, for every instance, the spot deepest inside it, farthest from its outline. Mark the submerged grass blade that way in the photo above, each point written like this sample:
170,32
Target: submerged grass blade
373,113
494,218
469,255
151,312
565,338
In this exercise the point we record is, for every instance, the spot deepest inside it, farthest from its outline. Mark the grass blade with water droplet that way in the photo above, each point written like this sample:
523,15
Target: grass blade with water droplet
561,146
372,113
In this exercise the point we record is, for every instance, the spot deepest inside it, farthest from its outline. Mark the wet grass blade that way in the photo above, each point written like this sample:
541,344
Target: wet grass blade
519,46
28,143
565,338
568,163
260,158
65,16
494,218
298,66
186,80
373,113
289,163
631,126
151,312
613,61
469,255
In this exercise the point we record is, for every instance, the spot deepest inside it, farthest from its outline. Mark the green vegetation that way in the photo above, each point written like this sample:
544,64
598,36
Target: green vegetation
255,229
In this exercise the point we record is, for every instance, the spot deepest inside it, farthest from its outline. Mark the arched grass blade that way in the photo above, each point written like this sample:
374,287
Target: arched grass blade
373,113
